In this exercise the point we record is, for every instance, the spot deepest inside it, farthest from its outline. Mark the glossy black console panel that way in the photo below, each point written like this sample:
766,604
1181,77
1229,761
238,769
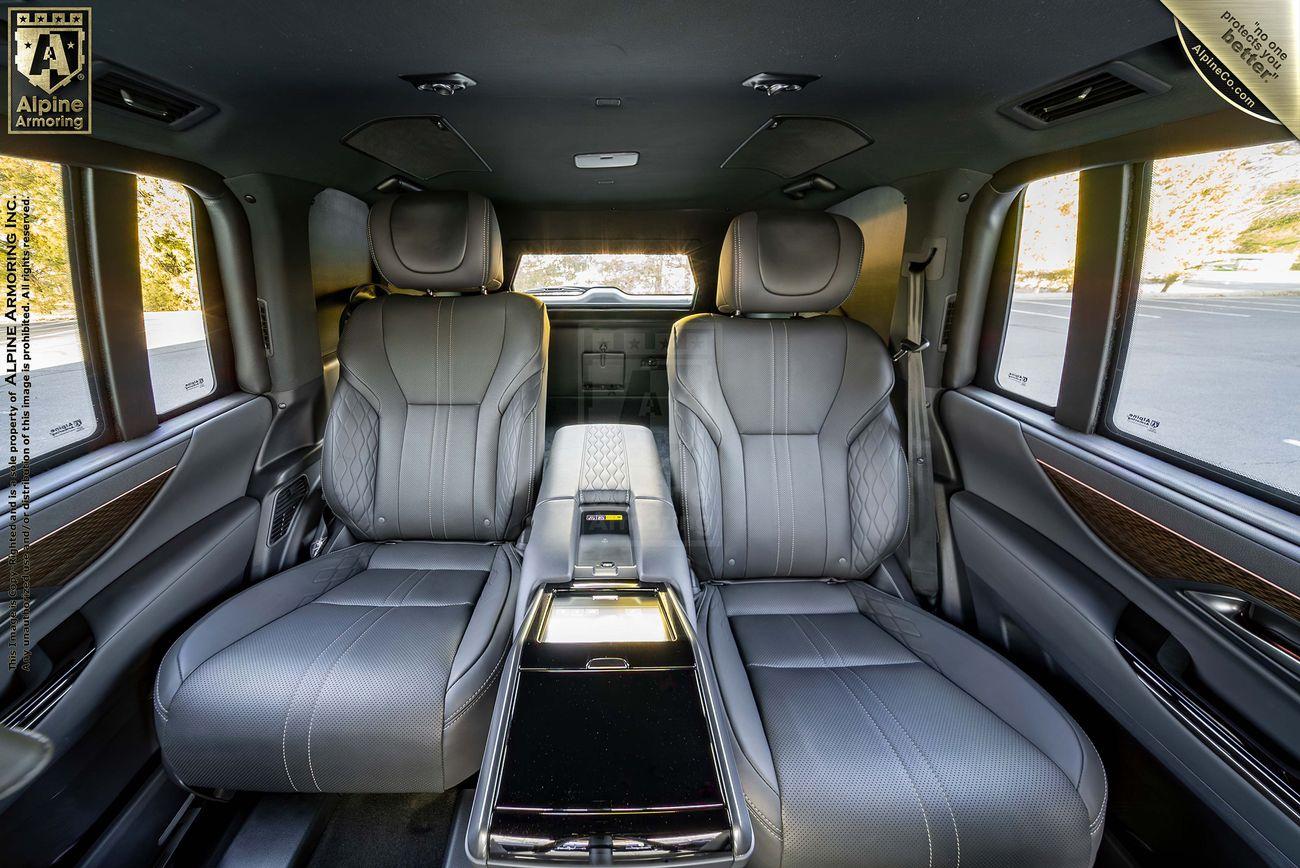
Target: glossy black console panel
582,741
608,750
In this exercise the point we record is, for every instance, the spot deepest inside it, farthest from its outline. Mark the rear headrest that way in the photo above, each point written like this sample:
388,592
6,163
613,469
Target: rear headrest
788,262
438,241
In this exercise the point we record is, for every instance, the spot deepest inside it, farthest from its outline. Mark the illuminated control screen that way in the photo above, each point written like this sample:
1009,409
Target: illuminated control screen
605,618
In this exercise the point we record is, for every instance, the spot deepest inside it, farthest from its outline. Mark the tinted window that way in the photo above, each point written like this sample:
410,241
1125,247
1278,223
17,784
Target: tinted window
607,279
1033,348
62,403
180,362
1212,366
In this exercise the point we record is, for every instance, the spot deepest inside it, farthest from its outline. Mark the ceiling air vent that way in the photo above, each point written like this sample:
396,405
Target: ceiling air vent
146,98
1114,84
286,507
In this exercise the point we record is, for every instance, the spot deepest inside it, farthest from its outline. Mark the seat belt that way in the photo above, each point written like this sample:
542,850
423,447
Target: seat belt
922,534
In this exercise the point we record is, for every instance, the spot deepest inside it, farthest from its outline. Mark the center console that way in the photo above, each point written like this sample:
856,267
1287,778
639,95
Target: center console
607,743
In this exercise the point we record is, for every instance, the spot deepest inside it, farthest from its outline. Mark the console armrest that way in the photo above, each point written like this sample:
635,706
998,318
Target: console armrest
612,466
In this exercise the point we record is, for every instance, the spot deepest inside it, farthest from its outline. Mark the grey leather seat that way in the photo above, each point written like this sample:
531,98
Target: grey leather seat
371,669
869,731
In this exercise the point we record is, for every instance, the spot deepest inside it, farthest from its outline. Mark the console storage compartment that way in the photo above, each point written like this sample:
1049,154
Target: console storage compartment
608,744
608,749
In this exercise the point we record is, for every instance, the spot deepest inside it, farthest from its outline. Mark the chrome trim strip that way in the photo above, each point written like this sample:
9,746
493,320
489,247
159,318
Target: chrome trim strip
32,710
742,833
489,779
1219,735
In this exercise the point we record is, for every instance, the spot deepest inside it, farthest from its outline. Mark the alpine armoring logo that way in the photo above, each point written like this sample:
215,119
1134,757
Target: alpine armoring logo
49,71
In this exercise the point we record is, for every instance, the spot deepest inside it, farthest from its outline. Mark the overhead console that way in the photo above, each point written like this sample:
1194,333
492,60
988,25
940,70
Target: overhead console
607,743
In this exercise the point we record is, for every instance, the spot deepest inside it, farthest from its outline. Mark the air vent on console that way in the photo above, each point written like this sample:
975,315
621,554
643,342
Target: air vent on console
146,98
286,507
1114,84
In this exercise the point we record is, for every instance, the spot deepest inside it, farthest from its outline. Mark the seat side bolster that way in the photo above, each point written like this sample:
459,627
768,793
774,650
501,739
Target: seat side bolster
988,678
476,667
251,610
758,772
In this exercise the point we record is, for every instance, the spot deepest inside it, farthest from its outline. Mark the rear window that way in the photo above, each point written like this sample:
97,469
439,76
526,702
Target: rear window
607,279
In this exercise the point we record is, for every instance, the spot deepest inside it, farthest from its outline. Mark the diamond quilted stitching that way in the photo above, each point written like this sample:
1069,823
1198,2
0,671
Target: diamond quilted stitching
604,464
707,479
875,492
353,439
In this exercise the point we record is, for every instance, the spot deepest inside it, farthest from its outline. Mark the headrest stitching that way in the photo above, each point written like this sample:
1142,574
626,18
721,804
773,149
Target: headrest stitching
735,271
370,239
486,231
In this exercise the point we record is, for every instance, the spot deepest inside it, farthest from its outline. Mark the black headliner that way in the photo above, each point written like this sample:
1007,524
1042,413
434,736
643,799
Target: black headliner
922,77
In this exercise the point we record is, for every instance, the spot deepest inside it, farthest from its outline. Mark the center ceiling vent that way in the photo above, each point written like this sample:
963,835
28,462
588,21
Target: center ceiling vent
1116,83
772,83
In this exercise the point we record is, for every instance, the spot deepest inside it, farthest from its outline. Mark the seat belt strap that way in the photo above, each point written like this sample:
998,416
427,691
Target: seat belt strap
922,535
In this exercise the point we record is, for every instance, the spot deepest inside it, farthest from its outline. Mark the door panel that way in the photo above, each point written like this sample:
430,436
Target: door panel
1078,551
145,535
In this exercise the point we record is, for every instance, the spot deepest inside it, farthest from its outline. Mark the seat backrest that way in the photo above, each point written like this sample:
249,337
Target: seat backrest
436,430
786,455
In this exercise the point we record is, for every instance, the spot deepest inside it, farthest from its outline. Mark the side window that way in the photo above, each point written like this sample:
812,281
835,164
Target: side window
1211,370
56,384
1033,346
180,358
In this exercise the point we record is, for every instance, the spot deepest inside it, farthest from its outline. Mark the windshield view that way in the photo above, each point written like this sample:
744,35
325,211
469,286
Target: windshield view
607,279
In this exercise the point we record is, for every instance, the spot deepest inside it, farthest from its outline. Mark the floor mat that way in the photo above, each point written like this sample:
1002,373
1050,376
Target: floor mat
385,831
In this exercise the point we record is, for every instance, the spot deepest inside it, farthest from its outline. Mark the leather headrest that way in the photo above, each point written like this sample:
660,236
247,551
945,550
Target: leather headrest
437,241
788,262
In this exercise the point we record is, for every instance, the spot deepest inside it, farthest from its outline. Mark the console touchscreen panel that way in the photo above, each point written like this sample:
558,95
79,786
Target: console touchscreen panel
599,617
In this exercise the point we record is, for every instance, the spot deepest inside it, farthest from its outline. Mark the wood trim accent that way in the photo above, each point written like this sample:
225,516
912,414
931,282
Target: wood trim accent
61,554
1160,553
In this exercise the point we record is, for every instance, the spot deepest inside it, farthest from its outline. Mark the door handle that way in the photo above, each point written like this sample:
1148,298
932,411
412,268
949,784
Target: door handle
1262,626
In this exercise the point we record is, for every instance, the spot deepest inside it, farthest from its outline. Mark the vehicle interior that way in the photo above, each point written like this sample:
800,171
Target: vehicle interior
664,433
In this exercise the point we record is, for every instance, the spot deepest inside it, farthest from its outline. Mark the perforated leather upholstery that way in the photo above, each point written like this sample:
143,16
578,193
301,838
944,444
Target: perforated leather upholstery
869,732
372,669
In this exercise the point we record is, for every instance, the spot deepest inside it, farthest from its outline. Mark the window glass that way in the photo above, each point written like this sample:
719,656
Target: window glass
607,279
1033,346
62,404
180,363
1212,367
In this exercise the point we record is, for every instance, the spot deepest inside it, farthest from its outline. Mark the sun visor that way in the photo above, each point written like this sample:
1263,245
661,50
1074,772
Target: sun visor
793,145
423,146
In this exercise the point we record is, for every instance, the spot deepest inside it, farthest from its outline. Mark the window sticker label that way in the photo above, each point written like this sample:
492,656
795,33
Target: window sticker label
74,427
1145,421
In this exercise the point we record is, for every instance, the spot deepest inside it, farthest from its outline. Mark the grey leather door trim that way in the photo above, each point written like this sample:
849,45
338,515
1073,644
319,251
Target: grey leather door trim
1192,492
1048,589
212,461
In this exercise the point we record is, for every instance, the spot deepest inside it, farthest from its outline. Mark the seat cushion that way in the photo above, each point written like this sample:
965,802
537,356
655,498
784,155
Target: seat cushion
872,733
366,670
